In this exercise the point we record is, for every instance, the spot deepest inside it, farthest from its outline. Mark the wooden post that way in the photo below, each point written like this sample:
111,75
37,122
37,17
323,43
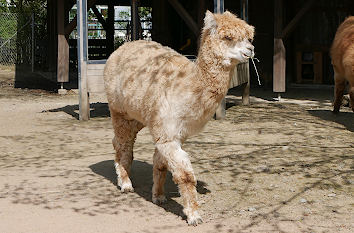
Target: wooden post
279,59
247,87
110,28
33,44
221,110
63,45
52,35
84,104
134,20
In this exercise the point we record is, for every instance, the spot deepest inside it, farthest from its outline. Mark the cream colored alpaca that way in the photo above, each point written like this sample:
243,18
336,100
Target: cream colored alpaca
342,53
150,85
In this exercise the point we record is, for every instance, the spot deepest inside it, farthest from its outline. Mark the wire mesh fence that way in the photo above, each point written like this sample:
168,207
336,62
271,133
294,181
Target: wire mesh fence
15,39
8,39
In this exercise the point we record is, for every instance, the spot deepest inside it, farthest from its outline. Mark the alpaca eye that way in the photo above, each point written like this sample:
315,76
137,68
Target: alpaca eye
228,38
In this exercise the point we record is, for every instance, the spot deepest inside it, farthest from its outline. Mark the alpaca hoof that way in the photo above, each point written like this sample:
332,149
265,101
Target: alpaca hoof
335,111
194,219
126,188
159,199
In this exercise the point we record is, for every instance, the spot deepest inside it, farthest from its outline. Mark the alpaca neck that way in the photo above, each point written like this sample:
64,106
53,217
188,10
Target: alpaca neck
214,73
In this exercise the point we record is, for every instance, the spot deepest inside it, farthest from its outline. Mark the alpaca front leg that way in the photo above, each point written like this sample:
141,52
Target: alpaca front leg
351,95
159,177
182,172
122,163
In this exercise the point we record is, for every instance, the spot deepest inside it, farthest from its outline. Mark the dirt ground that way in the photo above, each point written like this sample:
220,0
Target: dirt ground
269,167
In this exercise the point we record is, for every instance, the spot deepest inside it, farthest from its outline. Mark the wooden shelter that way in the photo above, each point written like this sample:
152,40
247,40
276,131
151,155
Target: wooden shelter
292,37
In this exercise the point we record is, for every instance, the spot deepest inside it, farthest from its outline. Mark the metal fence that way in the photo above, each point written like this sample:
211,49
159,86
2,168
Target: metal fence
16,38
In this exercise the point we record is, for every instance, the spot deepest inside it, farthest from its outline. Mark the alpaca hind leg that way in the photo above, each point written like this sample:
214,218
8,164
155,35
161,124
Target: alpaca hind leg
350,77
182,172
159,177
338,92
125,133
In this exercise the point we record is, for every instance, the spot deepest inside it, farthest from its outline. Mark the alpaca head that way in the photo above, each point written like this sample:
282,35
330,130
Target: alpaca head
228,37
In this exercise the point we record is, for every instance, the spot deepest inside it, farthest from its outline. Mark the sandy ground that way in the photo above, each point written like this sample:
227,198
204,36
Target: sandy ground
268,167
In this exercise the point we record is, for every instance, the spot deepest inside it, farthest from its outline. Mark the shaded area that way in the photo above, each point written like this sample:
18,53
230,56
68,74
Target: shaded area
344,118
96,110
141,178
266,157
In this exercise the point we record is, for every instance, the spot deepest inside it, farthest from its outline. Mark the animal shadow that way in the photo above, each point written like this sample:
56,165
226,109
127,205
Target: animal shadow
141,177
96,110
344,118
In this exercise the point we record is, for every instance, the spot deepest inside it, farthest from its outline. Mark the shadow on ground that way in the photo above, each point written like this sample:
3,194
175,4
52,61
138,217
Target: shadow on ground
96,110
142,182
344,118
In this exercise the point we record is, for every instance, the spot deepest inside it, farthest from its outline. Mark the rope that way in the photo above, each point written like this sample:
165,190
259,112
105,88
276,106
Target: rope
254,65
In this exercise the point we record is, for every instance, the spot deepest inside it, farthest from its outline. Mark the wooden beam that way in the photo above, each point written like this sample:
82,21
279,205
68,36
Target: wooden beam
193,26
293,23
99,17
63,46
72,25
134,20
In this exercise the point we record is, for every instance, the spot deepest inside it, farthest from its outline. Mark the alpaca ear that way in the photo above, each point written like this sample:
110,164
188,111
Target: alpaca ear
210,21
229,13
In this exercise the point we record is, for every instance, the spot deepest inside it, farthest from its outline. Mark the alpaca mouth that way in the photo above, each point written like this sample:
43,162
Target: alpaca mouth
246,56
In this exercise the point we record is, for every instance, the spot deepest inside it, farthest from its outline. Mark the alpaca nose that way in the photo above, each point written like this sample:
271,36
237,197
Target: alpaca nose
251,49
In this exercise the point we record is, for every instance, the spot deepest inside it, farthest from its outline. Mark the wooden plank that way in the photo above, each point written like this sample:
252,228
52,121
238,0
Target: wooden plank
293,23
185,16
279,65
239,75
63,46
92,72
95,83
95,66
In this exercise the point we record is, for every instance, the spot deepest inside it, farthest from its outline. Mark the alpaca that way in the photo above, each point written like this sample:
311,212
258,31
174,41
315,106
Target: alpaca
342,53
150,85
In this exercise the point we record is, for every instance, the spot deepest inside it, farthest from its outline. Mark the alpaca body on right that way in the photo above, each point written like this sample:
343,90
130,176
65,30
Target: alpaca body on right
151,85
342,53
